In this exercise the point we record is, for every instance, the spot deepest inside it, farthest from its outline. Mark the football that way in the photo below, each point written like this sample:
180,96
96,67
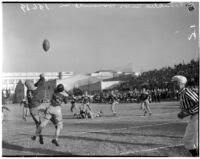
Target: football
46,45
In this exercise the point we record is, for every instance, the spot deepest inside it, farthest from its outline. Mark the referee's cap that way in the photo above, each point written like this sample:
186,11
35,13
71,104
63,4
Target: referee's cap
179,78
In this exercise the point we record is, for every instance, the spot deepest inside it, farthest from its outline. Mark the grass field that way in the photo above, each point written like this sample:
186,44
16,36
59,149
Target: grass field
128,134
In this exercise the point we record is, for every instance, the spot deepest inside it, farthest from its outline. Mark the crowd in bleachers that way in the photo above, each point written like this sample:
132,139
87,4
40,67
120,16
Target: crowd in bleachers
157,82
162,78
155,95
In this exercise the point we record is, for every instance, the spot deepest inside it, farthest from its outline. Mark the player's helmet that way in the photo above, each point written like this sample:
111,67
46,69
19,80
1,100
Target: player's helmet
60,88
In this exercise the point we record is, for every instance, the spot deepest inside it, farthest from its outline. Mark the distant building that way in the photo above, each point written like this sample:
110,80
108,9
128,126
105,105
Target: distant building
105,74
13,83
10,80
45,93
92,83
100,86
77,80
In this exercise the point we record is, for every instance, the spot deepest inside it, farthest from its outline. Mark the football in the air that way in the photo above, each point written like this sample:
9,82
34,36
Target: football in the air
46,45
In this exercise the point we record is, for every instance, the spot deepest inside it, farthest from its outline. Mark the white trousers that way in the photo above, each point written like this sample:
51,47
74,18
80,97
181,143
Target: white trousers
190,138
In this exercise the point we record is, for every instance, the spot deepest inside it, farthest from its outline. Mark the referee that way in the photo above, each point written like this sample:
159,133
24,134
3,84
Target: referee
189,104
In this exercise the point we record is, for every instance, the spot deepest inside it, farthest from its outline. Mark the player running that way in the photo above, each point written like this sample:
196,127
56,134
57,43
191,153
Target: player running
113,101
54,112
144,97
73,103
189,105
24,104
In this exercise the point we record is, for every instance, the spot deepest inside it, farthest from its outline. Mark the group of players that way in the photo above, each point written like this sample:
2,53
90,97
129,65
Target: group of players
42,115
188,100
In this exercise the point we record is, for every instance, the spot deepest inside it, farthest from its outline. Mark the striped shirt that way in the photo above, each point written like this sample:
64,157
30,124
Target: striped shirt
189,101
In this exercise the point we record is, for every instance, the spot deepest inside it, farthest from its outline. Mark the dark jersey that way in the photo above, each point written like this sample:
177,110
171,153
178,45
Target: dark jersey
73,100
58,98
33,95
112,98
40,82
144,96
33,100
85,99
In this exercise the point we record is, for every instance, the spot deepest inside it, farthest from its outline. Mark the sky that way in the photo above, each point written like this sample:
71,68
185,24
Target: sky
90,37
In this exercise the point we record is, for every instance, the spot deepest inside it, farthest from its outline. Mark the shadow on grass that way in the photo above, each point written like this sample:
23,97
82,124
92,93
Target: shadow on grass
108,141
46,152
102,140
135,134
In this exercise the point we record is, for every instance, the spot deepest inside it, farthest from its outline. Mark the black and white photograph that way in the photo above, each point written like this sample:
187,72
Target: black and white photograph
100,79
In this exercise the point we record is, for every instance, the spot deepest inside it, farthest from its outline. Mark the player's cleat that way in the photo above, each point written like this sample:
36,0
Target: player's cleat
54,141
41,139
145,113
33,138
150,114
114,114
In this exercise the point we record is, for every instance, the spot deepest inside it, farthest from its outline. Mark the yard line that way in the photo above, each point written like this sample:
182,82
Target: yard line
107,130
127,117
132,127
85,132
153,149
15,129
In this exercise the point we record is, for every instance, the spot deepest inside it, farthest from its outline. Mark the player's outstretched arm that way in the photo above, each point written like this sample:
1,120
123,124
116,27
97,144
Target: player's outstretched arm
41,81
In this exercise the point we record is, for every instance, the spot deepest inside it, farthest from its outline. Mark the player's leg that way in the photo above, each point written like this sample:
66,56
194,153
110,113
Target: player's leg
142,106
59,124
47,117
190,138
113,108
148,107
35,116
40,128
24,113
59,127
72,107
